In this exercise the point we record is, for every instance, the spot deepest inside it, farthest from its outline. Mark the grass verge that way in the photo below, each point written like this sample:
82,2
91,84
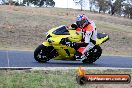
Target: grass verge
54,79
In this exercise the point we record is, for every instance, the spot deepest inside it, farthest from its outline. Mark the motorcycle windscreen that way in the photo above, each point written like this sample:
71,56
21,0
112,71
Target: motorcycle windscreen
62,30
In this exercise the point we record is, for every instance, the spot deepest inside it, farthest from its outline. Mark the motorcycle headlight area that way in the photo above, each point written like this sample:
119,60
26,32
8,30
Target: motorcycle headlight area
50,41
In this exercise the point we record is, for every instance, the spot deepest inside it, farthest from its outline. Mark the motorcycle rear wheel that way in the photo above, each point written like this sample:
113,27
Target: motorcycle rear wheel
94,54
40,54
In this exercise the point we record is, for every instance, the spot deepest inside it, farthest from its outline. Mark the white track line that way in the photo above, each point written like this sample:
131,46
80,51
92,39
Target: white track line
7,56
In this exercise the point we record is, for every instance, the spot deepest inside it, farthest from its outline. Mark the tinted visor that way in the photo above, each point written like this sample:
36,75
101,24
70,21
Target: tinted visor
80,23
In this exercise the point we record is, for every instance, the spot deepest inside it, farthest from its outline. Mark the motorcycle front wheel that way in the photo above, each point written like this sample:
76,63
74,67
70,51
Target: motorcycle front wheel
93,54
40,54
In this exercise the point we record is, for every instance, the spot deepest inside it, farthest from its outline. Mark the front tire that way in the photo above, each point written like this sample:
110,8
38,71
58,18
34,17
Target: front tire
40,54
93,55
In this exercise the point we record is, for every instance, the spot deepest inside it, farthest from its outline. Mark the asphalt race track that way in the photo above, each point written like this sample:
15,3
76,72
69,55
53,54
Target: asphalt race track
26,59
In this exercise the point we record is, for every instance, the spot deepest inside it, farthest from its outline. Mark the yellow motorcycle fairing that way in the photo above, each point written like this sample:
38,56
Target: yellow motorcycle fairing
65,52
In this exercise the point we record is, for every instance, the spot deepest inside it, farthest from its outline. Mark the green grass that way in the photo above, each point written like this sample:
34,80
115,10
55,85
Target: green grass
52,79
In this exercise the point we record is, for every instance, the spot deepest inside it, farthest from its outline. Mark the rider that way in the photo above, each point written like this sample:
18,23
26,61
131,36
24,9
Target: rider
88,30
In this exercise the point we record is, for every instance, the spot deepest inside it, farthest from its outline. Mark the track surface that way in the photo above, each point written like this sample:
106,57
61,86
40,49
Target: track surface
26,59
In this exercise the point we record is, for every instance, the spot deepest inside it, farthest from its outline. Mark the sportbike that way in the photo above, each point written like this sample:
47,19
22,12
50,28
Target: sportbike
53,47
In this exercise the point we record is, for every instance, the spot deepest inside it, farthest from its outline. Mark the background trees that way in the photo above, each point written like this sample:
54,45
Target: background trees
40,3
81,3
127,10
47,3
113,7
103,5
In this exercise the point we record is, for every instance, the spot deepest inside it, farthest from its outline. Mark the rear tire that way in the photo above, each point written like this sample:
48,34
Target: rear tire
40,54
93,55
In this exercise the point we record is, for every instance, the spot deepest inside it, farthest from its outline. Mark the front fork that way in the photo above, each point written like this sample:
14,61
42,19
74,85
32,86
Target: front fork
50,50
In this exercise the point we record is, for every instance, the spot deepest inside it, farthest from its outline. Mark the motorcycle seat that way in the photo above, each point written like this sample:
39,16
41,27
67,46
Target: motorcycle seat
101,35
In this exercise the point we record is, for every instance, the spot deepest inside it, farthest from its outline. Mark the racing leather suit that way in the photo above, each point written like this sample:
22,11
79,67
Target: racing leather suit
88,32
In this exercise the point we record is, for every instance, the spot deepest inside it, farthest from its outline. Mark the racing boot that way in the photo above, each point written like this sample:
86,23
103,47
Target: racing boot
79,56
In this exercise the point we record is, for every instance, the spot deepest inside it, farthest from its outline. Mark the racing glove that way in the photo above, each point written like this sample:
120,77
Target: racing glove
74,26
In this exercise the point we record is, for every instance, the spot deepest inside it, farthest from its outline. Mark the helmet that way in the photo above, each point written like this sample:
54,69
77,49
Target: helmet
81,21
